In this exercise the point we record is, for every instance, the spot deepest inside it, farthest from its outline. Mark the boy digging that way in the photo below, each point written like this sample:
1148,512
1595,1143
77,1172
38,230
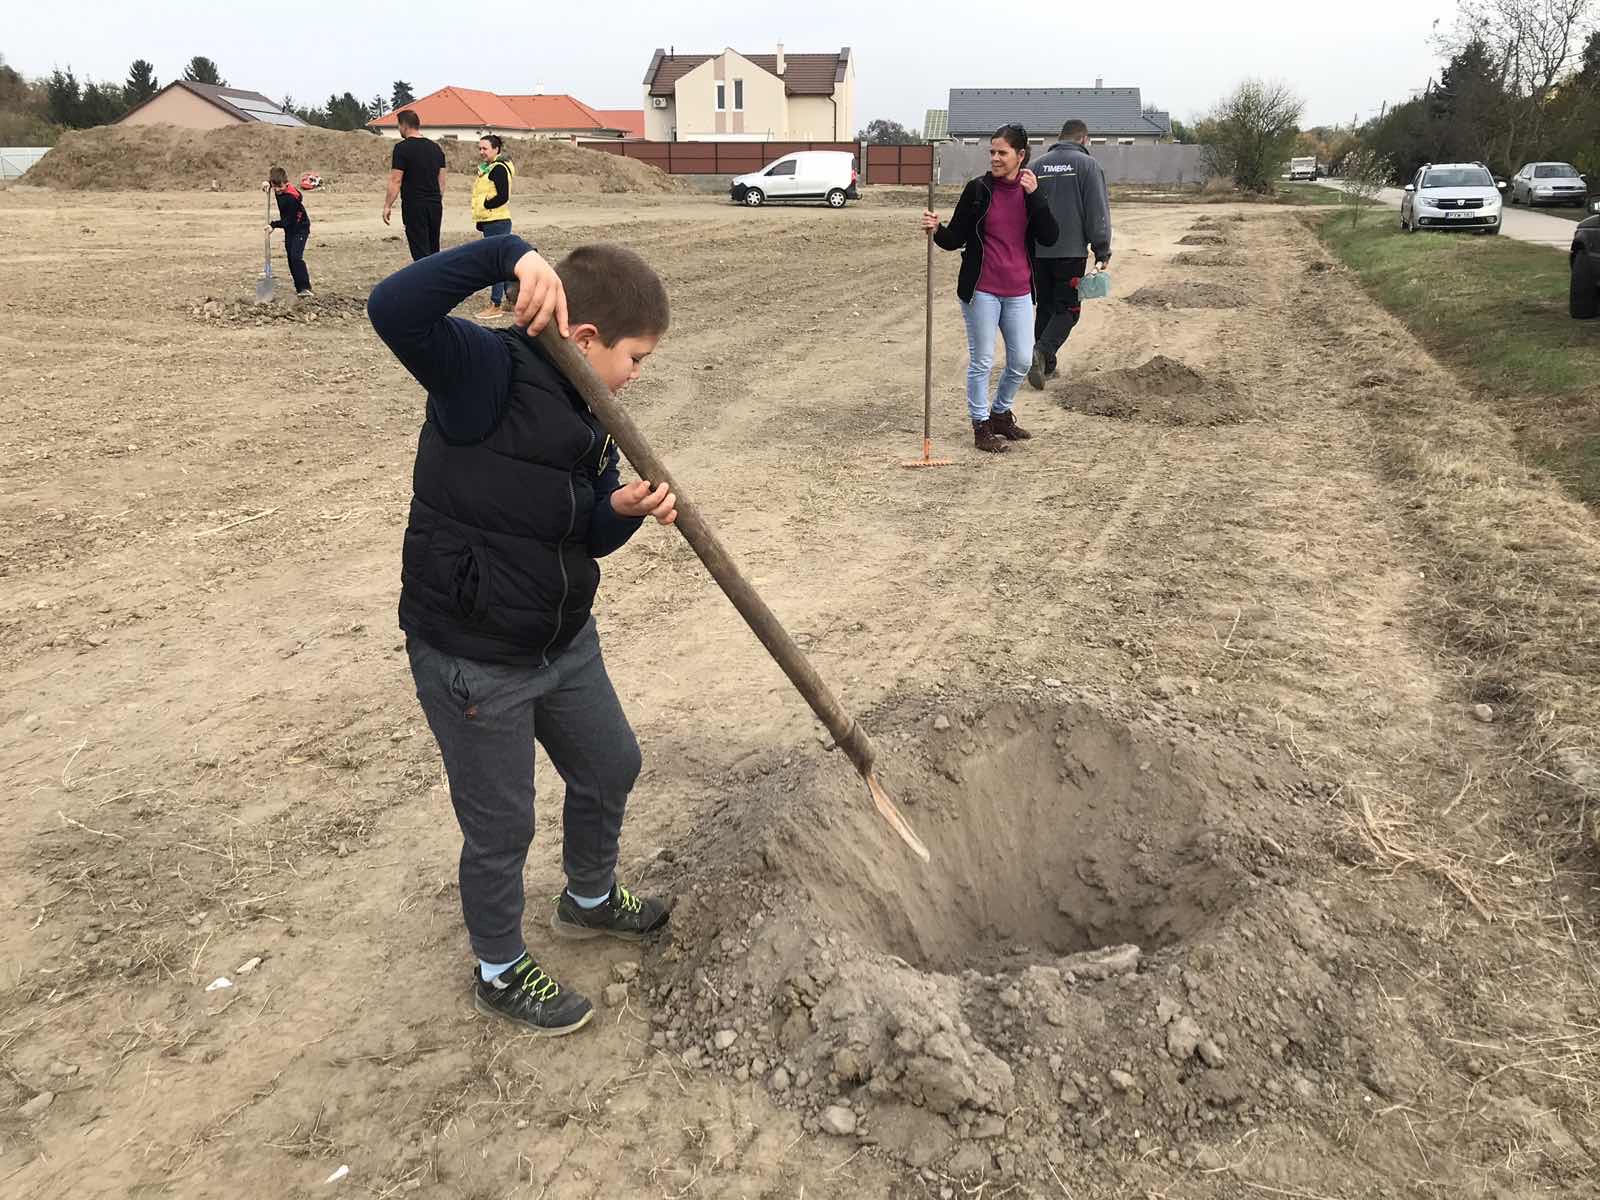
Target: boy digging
296,225
515,494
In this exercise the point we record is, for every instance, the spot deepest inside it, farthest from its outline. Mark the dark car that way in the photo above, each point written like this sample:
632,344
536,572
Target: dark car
1584,300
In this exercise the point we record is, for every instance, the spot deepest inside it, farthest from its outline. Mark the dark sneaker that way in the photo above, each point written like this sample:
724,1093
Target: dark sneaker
523,993
624,915
1036,372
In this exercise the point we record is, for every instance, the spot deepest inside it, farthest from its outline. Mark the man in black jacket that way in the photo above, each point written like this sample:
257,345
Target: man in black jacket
1075,188
515,494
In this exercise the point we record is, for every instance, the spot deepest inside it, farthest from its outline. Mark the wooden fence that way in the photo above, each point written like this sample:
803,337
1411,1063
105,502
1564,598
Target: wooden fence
881,164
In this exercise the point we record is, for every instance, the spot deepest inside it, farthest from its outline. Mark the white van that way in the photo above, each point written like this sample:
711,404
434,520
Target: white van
826,175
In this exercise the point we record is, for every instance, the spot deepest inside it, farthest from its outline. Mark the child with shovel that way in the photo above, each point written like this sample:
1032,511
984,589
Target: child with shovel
516,493
296,225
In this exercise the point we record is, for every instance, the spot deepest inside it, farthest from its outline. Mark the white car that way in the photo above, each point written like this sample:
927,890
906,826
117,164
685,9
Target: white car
825,175
1548,183
1452,196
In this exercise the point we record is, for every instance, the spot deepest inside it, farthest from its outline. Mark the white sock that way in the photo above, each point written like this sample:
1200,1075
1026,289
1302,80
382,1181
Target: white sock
588,901
487,971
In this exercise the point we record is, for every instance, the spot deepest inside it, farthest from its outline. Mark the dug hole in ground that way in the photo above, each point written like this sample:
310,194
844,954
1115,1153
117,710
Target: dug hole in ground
1248,713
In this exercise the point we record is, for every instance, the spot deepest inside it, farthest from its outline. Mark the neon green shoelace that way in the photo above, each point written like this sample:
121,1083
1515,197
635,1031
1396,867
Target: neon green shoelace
628,901
536,981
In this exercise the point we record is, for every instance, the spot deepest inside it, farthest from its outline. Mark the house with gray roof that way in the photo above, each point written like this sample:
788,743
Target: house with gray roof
1115,116
191,105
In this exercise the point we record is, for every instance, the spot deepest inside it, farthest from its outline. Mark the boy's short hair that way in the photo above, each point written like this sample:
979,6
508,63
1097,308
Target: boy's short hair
1074,129
408,119
277,177
613,289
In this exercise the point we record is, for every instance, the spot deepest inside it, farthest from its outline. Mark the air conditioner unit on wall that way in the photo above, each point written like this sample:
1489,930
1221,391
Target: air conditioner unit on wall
658,101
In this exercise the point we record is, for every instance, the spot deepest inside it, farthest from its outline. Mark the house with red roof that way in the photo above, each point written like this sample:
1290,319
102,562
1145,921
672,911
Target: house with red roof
750,97
457,112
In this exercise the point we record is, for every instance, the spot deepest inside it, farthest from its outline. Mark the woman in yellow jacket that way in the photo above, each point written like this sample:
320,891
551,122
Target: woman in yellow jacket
491,205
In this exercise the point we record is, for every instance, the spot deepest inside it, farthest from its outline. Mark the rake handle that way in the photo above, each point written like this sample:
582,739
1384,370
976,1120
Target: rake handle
927,339
703,539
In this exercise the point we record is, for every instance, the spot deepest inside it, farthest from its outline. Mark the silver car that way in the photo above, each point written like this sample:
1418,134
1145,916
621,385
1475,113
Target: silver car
1548,183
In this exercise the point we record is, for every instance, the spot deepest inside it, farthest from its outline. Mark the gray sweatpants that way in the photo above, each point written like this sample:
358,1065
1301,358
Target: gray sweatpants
486,718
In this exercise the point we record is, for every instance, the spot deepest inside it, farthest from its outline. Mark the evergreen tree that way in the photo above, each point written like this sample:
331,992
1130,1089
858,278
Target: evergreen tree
401,95
142,83
202,70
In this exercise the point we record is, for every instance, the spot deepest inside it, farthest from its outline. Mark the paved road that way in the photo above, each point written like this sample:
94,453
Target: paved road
1523,224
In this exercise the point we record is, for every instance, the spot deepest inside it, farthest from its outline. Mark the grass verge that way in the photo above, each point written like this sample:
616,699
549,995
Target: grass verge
1497,309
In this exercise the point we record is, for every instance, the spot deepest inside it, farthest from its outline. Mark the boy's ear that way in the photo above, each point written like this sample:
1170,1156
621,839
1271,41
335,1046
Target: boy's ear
586,335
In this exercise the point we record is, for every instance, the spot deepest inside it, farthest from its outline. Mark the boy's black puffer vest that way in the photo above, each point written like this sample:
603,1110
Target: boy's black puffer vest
496,564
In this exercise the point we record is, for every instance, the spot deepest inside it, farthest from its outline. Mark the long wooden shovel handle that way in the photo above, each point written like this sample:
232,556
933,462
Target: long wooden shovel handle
697,530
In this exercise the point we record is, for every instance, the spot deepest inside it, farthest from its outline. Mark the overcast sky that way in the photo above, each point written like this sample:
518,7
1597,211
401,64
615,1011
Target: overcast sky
1345,59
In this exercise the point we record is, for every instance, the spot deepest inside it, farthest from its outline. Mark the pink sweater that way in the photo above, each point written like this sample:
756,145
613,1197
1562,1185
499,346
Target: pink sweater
1006,271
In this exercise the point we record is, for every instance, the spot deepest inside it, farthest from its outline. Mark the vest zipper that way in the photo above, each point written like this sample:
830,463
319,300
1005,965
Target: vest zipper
561,559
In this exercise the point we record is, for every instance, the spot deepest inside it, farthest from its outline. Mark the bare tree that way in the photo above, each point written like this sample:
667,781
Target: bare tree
1534,46
1251,133
1366,173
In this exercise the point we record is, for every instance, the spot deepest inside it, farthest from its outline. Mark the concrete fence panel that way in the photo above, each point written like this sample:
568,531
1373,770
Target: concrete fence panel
1166,162
14,160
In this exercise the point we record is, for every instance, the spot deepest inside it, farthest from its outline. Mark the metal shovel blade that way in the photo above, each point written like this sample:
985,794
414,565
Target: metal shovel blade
891,814
264,285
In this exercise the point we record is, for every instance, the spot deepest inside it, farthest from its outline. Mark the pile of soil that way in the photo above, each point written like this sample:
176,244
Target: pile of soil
1162,391
1188,239
164,158
1188,294
1189,259
285,306
1106,949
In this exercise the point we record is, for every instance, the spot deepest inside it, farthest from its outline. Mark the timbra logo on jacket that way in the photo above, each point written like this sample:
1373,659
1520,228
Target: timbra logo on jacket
496,564
1074,186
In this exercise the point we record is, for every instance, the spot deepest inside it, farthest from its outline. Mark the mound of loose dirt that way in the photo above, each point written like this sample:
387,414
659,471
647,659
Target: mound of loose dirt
1162,391
1104,948
1188,294
1188,239
164,158
1188,259
285,307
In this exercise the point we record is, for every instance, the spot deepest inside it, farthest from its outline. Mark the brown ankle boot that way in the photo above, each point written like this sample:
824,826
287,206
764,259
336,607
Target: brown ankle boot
1005,424
983,437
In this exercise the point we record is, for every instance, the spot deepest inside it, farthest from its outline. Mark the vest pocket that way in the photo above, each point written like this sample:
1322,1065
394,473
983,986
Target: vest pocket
470,582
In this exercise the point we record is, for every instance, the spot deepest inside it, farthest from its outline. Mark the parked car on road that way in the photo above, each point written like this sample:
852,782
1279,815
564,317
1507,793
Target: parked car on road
1584,300
1548,183
825,175
1452,196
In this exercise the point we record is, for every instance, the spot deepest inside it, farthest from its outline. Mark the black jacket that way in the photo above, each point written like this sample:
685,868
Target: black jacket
496,564
964,231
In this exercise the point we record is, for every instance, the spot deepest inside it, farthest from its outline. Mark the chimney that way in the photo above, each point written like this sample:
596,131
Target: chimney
781,63
1099,83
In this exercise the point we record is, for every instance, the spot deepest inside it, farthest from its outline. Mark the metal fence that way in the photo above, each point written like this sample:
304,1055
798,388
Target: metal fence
1165,162
14,160
877,164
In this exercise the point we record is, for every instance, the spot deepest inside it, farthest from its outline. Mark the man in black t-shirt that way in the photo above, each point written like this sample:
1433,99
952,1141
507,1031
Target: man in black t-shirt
416,175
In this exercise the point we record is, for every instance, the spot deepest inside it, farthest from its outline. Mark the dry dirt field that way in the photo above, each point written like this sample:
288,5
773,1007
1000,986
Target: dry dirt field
1232,894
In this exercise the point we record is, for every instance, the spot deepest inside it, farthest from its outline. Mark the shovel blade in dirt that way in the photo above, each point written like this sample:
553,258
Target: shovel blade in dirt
265,288
763,622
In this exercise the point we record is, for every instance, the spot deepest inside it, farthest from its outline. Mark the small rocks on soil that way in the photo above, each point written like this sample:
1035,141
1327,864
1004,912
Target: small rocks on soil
838,1120
35,1108
1483,712
615,995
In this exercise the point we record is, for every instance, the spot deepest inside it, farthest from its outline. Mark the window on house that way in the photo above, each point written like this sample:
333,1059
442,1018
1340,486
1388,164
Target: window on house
970,141
738,95
722,97
1097,141
1124,141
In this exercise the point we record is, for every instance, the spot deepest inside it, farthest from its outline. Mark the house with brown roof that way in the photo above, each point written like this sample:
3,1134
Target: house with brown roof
190,105
750,97
466,113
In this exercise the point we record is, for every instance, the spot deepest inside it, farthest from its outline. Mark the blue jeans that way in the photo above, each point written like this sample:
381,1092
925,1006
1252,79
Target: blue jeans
496,229
1012,318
